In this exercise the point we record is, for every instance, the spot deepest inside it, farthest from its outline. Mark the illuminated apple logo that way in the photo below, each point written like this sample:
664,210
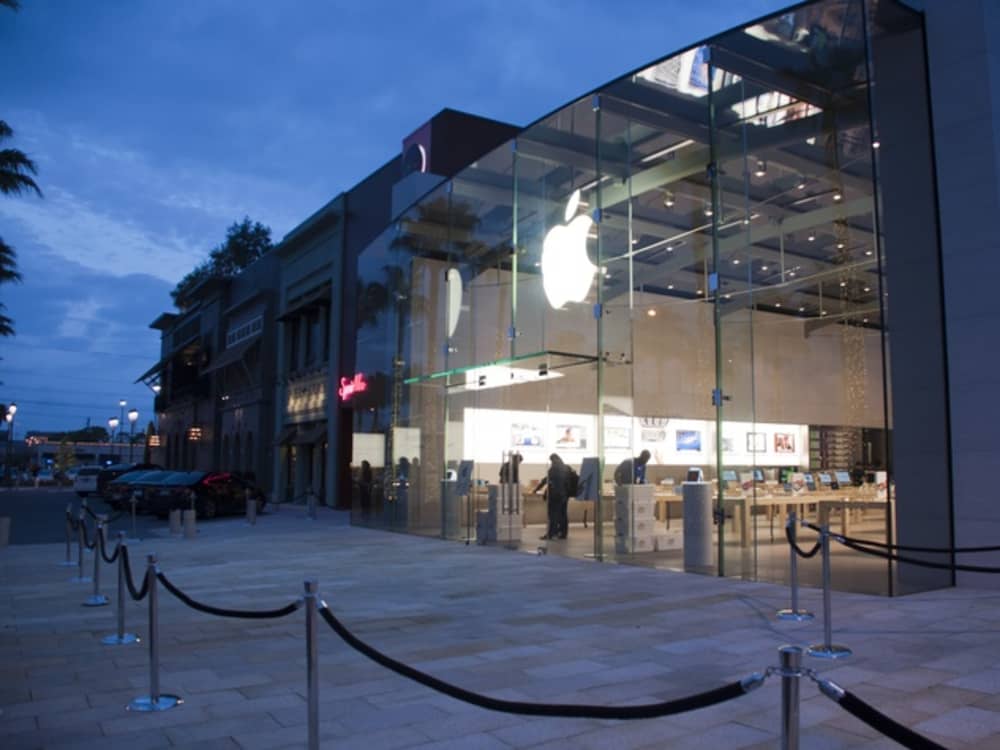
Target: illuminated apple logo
567,272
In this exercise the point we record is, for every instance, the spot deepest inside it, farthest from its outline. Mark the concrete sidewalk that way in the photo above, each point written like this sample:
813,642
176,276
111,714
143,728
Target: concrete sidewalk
512,625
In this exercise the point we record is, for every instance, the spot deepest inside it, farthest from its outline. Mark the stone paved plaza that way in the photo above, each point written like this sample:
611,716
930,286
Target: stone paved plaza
512,625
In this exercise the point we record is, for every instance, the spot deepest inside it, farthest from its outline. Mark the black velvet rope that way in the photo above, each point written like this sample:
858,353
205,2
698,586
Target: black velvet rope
104,554
797,548
908,548
137,594
578,711
264,614
913,560
73,523
882,723
89,512
84,536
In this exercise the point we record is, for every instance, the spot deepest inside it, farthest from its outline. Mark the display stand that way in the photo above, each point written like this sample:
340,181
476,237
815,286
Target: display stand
697,526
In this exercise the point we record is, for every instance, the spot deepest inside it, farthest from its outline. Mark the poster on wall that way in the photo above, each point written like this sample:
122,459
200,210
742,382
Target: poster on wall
784,442
571,436
756,442
727,445
524,435
688,440
617,437
653,435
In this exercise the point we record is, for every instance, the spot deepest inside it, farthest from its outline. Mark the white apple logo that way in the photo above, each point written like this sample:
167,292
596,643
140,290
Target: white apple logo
453,283
567,272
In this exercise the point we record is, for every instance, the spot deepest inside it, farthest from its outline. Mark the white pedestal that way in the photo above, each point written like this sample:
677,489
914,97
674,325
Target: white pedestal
697,526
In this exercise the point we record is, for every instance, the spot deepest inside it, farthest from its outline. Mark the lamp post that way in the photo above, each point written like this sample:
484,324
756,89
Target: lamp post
112,426
133,415
9,416
121,421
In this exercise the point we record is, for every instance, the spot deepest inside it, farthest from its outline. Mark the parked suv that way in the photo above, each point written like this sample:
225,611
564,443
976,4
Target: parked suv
86,480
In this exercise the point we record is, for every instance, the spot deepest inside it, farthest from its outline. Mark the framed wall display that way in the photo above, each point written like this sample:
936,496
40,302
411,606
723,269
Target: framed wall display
653,435
784,442
525,435
756,442
570,436
727,445
688,440
617,437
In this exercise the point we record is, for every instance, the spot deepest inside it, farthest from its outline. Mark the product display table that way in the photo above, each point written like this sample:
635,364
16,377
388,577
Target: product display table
846,507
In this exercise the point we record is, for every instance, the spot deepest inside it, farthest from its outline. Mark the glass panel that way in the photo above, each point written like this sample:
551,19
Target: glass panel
799,329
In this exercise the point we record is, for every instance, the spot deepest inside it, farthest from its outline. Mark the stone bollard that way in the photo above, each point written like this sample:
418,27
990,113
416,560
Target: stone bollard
175,521
251,510
190,524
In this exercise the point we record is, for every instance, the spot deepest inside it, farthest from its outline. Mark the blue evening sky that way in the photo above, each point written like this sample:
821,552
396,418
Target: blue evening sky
155,125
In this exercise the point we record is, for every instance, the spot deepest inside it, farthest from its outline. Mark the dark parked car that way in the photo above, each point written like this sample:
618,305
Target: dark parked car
118,491
215,493
109,473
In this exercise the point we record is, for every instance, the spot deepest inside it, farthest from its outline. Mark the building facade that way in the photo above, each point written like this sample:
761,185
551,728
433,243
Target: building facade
746,259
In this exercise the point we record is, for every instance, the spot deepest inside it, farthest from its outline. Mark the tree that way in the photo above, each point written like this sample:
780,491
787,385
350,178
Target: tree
65,457
246,242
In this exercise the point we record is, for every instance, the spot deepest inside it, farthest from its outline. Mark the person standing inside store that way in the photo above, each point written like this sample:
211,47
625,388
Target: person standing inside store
556,482
632,470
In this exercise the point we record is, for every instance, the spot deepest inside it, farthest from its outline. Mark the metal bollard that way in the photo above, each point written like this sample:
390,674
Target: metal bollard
312,661
97,599
791,671
827,649
154,701
133,501
80,577
175,521
68,562
793,612
121,637
251,509
190,524
311,502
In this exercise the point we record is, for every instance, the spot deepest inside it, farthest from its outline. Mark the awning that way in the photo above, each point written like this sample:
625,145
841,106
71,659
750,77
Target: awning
231,355
154,370
315,434
286,436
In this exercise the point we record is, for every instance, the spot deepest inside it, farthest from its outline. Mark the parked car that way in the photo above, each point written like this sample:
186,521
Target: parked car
215,493
109,473
118,491
86,480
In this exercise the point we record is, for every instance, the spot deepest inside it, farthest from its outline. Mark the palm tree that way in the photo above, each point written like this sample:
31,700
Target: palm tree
15,167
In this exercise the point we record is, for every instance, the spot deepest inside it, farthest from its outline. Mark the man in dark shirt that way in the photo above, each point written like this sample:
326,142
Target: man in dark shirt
557,480
632,470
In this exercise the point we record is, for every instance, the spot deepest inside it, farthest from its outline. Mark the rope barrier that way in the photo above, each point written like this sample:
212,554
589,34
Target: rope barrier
874,718
89,512
136,594
86,541
263,614
104,555
914,561
798,550
909,548
576,711
73,523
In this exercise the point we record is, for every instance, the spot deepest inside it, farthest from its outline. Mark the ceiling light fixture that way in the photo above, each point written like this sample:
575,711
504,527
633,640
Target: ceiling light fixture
651,312
868,252
777,304
840,245
736,261
811,238
668,150
876,143
763,268
761,170
708,208
670,286
801,185
837,196
668,199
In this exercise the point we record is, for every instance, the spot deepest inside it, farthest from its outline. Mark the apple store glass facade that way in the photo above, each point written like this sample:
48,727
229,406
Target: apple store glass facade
685,262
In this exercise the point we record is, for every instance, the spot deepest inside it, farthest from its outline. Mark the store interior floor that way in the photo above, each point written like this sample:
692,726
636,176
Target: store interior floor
764,557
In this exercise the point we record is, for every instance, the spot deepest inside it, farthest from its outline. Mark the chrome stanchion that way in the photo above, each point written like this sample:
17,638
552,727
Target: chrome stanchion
154,701
97,599
791,671
311,508
793,612
312,661
827,649
251,508
68,562
80,577
121,637
133,501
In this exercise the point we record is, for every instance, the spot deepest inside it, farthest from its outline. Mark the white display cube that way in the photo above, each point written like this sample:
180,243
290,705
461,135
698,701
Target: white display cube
634,526
632,544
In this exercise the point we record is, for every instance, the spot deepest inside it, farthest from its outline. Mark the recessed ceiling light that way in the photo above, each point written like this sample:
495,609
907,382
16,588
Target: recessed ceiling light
811,238
840,245
864,320
761,170
837,196
651,312
668,199
727,296
763,268
791,273
736,261
777,304
802,309
670,248
811,140
876,143
708,208
670,286
698,292
823,312
868,252
868,288
801,186
635,242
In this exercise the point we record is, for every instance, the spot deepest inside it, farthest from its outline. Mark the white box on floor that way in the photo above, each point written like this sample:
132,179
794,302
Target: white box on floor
508,527
671,540
632,544
634,526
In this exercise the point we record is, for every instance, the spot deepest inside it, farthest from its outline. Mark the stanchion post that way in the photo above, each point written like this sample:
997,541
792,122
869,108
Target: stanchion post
121,637
68,562
793,612
828,649
154,701
80,531
97,599
133,501
791,671
251,507
311,500
312,660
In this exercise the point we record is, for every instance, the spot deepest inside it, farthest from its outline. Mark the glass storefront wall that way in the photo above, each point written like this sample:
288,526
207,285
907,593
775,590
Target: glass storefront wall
685,265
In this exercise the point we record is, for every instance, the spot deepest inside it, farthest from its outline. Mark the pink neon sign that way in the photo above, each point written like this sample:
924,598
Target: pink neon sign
348,387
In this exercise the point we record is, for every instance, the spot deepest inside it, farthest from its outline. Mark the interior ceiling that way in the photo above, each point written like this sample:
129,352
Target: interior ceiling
798,239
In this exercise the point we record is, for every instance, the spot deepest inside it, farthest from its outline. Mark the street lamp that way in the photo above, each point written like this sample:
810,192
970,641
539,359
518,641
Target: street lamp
133,415
121,404
9,417
112,426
